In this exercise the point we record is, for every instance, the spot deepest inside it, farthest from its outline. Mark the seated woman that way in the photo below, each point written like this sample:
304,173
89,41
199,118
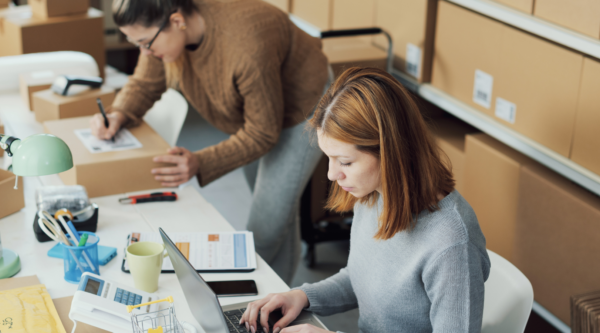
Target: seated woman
417,260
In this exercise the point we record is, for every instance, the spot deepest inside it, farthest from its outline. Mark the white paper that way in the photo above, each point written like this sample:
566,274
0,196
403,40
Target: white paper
506,110
413,60
482,88
123,140
207,251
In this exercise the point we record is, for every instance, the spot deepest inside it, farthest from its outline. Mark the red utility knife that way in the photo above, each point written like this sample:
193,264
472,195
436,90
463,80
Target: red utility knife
152,197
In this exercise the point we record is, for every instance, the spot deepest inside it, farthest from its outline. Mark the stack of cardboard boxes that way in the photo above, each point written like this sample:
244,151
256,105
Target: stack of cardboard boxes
344,52
44,26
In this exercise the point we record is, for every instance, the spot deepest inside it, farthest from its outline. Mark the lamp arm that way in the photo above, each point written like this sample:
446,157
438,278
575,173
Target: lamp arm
6,142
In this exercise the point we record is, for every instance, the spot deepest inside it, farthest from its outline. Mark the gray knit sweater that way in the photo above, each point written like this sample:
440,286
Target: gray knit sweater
428,279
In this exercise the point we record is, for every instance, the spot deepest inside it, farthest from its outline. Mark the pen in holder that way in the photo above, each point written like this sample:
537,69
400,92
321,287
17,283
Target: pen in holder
80,259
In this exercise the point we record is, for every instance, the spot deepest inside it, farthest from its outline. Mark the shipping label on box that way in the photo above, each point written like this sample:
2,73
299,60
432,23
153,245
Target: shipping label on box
506,110
112,172
482,88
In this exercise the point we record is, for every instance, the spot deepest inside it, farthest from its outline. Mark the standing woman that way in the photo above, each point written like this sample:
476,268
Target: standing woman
417,260
251,73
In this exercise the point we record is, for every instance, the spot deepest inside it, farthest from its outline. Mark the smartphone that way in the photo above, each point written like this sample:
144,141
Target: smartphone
233,288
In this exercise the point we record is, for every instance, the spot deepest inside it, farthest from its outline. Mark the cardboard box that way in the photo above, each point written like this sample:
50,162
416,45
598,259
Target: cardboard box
22,33
53,8
508,74
336,14
558,238
12,200
450,134
525,6
40,80
580,15
284,5
343,53
111,172
48,105
411,23
587,124
491,184
352,14
4,3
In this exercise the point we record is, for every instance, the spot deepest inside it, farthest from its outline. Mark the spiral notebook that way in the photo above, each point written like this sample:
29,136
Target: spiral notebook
214,252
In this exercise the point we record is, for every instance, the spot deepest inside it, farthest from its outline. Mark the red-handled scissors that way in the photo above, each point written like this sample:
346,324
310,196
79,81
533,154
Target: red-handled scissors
152,197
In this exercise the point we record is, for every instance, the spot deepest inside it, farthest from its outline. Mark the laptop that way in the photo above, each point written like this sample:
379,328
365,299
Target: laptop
205,306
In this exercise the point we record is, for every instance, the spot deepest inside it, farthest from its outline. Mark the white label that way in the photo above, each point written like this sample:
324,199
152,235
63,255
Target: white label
42,74
482,89
506,110
413,60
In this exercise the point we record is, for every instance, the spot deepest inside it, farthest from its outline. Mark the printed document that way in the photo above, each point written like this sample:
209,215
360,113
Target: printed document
207,252
123,140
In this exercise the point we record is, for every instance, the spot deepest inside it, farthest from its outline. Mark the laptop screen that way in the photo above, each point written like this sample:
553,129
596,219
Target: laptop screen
202,301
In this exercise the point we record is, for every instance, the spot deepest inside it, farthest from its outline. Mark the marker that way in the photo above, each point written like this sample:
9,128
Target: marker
83,240
101,107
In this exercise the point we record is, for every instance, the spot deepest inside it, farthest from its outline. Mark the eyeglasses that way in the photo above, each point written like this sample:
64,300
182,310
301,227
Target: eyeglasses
149,44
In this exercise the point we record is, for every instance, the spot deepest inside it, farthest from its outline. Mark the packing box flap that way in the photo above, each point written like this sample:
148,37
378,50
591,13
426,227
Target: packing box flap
152,143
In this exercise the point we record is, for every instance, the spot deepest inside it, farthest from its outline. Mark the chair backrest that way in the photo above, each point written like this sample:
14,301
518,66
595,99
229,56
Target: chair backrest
12,66
508,298
167,115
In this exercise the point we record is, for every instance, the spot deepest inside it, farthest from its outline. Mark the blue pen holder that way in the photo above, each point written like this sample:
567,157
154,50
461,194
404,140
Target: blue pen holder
81,259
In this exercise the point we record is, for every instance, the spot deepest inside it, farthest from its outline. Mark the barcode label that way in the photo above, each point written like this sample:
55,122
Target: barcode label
482,88
506,110
413,60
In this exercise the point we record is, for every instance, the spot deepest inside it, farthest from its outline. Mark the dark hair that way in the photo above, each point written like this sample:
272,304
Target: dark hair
149,13
370,109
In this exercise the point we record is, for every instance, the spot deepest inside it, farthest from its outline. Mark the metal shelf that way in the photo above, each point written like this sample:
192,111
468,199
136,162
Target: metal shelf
527,22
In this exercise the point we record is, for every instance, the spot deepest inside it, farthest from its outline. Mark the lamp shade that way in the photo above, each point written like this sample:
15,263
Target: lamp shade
41,154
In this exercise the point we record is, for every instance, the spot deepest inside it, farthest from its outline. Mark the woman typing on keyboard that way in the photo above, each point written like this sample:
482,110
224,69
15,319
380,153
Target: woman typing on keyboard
417,260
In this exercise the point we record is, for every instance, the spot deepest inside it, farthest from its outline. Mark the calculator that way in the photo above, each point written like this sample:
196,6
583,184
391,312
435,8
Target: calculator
103,303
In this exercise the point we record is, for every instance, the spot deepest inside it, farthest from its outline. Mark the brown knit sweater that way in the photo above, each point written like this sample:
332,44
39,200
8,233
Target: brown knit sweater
254,73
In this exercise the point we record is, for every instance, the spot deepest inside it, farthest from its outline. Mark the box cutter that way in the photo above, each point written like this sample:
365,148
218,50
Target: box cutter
152,197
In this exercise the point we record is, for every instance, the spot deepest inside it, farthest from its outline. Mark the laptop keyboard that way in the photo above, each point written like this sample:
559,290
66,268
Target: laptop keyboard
233,318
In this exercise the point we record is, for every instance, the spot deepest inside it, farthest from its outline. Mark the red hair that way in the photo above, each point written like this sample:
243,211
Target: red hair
370,109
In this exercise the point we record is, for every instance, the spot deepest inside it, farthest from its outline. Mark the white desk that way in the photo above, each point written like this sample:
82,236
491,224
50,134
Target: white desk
190,213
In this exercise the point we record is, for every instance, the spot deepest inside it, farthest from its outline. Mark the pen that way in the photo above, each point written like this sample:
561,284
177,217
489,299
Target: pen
83,240
101,107
156,196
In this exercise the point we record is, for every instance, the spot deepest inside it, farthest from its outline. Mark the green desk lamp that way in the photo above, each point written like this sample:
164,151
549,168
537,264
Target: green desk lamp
36,155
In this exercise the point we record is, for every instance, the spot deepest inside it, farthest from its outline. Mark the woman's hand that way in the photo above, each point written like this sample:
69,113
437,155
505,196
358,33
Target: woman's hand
115,121
304,328
186,167
291,304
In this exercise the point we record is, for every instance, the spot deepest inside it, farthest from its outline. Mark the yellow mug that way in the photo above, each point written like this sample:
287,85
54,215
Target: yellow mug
145,261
